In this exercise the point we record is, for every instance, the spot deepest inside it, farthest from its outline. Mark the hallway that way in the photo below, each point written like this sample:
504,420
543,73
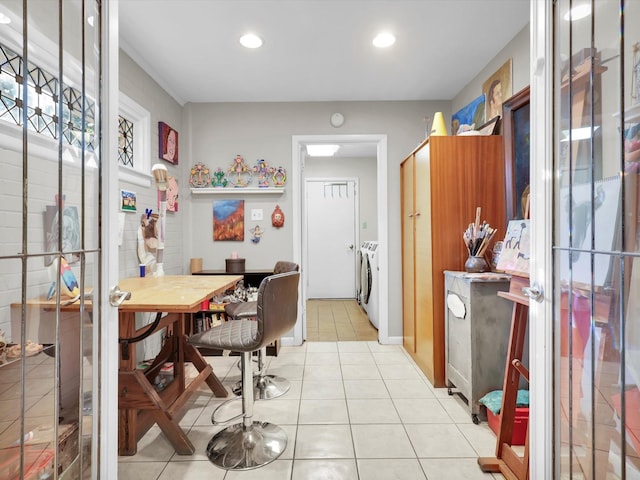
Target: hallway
338,320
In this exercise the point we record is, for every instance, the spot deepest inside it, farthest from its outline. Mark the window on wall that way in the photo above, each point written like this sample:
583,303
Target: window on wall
133,142
43,102
125,142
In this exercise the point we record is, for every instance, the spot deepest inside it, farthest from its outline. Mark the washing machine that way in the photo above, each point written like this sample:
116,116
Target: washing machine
373,307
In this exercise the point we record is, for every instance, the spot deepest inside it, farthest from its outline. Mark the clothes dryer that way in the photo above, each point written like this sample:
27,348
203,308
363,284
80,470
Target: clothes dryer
365,277
373,308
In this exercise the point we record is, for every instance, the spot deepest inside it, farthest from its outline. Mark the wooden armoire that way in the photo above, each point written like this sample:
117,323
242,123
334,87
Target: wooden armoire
442,183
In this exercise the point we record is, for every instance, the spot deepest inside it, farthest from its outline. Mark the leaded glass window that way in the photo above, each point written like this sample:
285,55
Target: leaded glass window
125,141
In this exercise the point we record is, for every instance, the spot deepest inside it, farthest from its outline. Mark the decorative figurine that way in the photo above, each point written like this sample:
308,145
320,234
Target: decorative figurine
262,169
257,233
277,217
239,173
279,176
219,179
200,175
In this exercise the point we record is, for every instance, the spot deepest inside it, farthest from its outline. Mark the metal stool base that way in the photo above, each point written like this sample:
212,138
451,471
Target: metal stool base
265,387
240,448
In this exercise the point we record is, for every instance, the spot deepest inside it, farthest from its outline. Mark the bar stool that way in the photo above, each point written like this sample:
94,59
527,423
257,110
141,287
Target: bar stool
265,386
252,444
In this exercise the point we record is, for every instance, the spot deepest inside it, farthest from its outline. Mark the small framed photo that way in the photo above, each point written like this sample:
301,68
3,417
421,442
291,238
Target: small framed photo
127,201
167,143
492,127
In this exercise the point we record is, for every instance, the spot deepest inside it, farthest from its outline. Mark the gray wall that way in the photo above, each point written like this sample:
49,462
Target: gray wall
217,132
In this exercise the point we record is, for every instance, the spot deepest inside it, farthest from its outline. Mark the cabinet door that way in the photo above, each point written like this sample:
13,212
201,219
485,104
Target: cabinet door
408,273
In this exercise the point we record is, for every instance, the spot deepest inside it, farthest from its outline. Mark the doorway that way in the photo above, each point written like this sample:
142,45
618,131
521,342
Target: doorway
330,220
299,143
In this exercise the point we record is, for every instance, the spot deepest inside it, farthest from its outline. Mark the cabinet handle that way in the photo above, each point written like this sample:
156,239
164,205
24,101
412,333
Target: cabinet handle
417,214
410,215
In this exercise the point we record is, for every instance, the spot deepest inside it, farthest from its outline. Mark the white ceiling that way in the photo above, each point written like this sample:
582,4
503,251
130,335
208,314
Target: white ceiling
316,50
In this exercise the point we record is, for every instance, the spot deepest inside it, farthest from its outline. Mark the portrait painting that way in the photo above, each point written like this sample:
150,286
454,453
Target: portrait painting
497,88
228,220
168,143
172,195
70,232
468,117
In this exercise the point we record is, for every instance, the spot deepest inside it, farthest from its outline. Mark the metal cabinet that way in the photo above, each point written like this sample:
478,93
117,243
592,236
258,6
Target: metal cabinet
477,324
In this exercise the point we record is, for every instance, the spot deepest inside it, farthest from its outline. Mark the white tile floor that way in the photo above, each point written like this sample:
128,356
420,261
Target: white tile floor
355,411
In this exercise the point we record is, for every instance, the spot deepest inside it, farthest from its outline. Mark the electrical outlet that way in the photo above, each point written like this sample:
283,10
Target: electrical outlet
256,214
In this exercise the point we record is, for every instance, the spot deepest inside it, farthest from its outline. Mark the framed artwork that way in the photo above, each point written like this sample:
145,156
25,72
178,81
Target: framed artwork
514,257
468,117
167,143
228,220
127,201
496,88
492,127
515,135
70,232
172,195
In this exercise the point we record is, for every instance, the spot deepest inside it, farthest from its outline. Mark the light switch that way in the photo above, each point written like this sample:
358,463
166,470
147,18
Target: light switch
256,214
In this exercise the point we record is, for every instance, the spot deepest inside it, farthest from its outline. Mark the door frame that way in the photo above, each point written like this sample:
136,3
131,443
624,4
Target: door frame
541,358
108,342
305,249
298,142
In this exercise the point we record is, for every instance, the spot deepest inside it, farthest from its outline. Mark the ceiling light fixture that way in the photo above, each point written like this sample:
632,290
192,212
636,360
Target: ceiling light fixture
250,40
322,150
384,40
4,19
578,12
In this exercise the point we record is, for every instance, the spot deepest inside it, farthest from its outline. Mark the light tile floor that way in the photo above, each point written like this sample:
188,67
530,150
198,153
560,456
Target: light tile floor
357,410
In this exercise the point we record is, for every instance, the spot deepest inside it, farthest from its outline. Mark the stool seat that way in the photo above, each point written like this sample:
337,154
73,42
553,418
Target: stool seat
241,310
252,444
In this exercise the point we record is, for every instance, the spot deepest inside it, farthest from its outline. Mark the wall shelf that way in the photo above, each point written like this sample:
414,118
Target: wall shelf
238,191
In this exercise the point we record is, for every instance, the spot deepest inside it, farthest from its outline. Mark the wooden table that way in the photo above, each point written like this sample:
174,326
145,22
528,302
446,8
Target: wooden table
140,404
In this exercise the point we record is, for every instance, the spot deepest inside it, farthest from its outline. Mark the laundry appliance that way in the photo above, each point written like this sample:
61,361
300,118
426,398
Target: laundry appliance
369,281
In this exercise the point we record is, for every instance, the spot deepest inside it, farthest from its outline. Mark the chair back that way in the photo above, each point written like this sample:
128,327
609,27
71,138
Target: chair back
283,266
277,308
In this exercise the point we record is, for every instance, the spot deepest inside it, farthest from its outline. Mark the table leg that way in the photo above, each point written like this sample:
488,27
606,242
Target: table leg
191,354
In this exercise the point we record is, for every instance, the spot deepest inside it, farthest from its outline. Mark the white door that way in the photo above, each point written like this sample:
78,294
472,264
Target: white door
331,220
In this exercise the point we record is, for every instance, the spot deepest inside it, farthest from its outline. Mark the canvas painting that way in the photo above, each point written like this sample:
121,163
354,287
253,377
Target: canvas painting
514,257
70,232
469,117
228,220
127,201
606,198
168,143
496,89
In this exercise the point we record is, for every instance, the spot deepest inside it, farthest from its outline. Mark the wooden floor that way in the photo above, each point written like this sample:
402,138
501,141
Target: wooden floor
338,320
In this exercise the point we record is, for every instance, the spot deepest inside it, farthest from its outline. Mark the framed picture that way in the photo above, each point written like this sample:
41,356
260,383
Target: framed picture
167,143
228,220
496,88
127,201
514,257
468,117
492,127
515,135
71,234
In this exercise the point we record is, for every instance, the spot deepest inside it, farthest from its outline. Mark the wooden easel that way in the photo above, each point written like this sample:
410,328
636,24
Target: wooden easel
507,461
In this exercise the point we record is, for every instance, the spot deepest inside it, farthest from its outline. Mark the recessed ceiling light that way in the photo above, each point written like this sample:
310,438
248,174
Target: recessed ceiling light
250,41
4,19
578,12
322,150
384,40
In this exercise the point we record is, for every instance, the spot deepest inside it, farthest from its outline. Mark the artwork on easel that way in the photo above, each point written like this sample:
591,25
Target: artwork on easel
578,200
514,257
